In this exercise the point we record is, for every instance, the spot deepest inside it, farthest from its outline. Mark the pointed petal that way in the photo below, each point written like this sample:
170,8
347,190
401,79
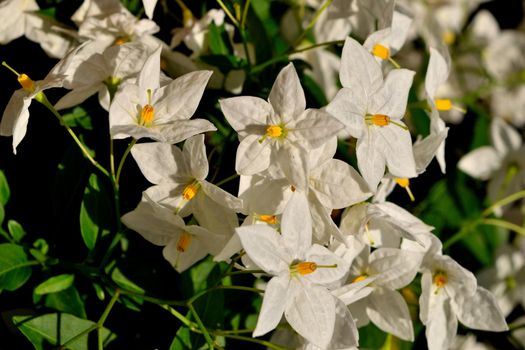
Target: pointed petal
322,275
159,162
195,152
370,160
504,137
389,311
442,326
221,197
391,98
397,268
181,261
316,127
437,73
345,334
245,112
274,302
481,311
293,161
396,146
296,226
359,68
15,117
149,7
349,107
150,74
252,156
287,95
480,163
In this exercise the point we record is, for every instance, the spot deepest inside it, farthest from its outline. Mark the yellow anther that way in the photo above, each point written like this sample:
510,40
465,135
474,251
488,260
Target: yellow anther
360,278
26,82
443,104
379,119
187,18
440,278
449,37
122,40
381,51
405,183
146,115
184,242
274,131
269,219
190,191
306,267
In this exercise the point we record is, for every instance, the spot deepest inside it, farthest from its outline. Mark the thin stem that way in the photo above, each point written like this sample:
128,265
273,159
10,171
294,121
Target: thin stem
465,230
241,288
394,63
312,22
86,153
202,327
191,325
228,13
504,224
123,159
245,13
228,179
4,63
111,158
509,199
257,341
244,272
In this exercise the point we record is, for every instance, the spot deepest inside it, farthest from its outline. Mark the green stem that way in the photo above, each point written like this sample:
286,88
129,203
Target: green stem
257,341
112,158
241,288
312,22
43,100
509,199
465,230
123,159
504,224
228,13
202,327
244,272
245,13
228,179
191,325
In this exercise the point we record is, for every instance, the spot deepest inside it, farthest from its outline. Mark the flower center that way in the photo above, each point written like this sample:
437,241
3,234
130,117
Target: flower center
443,104
440,278
360,278
190,191
381,51
269,219
146,115
122,40
274,131
377,119
307,267
184,242
26,82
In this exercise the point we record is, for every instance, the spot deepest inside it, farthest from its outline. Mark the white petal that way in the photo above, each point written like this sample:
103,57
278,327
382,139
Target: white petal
370,160
180,98
287,95
345,334
426,149
359,68
149,7
437,73
264,195
391,98
264,246
480,163
442,326
311,312
195,151
316,127
183,260
481,311
349,107
326,276
159,162
220,196
396,146
338,185
245,112
504,137
389,311
296,226
150,74
252,156
274,302
396,268
293,161
15,117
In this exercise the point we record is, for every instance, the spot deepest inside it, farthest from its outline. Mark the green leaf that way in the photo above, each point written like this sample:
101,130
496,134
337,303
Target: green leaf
55,284
94,212
68,301
16,230
225,63
2,213
130,301
78,117
15,269
218,40
4,189
56,329
182,340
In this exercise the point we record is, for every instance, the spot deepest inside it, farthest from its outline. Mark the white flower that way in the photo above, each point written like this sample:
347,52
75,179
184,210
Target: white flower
184,245
449,292
55,39
149,7
160,113
371,110
300,273
13,14
503,163
180,182
280,129
97,8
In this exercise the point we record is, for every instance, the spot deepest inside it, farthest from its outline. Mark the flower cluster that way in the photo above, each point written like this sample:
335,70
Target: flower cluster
333,252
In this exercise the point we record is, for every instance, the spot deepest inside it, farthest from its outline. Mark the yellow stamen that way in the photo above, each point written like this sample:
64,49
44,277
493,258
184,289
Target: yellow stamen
269,219
370,239
405,183
122,40
380,119
381,51
440,278
26,82
308,267
274,131
449,37
443,104
184,242
187,18
146,115
190,191
360,278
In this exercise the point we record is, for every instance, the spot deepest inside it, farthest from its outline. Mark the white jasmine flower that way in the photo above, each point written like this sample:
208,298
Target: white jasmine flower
371,110
184,245
97,8
280,129
55,39
180,182
503,163
300,273
160,113
450,292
